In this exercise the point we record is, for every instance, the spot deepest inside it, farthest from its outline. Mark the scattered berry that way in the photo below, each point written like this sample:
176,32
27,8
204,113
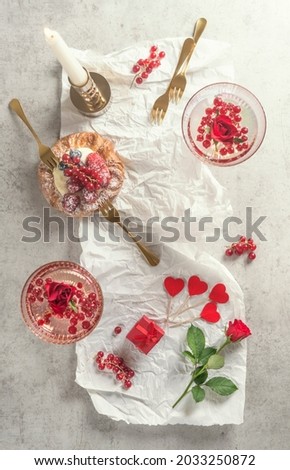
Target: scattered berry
117,330
116,365
144,67
242,246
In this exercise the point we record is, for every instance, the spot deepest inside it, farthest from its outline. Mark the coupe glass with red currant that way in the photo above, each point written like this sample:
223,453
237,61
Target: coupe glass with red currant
223,124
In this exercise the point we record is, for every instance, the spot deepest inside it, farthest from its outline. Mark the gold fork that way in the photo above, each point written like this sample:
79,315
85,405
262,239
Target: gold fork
161,104
45,153
178,83
112,215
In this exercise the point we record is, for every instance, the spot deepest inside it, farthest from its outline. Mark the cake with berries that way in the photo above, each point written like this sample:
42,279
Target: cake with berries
90,172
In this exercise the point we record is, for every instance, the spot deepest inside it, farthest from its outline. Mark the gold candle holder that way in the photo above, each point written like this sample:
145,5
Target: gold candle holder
92,98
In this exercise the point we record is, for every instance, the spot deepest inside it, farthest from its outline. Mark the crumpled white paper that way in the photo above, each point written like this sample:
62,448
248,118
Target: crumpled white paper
162,180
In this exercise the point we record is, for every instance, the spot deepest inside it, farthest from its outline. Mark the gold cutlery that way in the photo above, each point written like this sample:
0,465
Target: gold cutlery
112,215
178,83
45,153
160,106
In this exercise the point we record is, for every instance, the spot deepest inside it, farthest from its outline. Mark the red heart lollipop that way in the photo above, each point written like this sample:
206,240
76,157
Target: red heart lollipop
210,313
173,285
219,294
196,286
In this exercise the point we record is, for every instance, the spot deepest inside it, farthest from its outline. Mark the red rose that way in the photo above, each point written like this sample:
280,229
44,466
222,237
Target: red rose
59,295
237,330
223,129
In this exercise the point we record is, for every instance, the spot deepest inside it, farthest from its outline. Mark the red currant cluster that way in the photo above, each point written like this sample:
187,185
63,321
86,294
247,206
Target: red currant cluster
92,176
242,246
144,67
80,309
117,366
221,125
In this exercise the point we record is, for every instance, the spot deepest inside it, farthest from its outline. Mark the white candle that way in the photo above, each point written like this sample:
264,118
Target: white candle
73,68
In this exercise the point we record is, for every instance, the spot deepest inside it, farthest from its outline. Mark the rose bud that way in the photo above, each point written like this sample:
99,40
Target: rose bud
237,330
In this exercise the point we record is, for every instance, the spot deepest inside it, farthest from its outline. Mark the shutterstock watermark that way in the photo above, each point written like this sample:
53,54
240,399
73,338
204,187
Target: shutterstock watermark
169,229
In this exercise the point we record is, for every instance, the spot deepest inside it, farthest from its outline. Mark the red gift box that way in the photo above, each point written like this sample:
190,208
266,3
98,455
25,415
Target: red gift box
145,334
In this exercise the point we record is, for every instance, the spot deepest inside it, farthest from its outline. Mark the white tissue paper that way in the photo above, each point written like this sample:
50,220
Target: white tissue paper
163,179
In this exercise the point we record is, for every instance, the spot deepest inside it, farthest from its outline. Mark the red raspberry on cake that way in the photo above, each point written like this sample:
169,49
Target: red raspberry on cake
89,196
70,202
74,186
101,172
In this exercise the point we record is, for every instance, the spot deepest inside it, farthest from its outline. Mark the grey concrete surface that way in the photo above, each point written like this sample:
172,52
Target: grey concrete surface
41,407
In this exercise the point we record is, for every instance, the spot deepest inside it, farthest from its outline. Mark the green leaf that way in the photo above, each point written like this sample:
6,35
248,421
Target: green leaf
216,361
200,379
195,341
237,140
205,355
189,356
73,306
221,385
198,393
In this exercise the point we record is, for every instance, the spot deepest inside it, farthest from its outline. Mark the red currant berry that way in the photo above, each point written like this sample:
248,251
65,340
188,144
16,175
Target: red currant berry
136,68
217,101
200,129
230,150
32,299
199,138
223,151
39,281
130,373
74,321
100,354
140,62
237,118
86,325
253,247
139,80
101,366
244,130
161,54
117,330
72,330
127,384
153,55
206,144
65,158
92,296
110,357
236,109
119,376
109,366
48,280
144,75
40,322
229,252
252,255
158,63
208,111
149,69
153,48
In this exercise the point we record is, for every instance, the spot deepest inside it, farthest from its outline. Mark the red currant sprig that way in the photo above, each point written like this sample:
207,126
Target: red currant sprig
242,246
117,366
80,175
144,67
